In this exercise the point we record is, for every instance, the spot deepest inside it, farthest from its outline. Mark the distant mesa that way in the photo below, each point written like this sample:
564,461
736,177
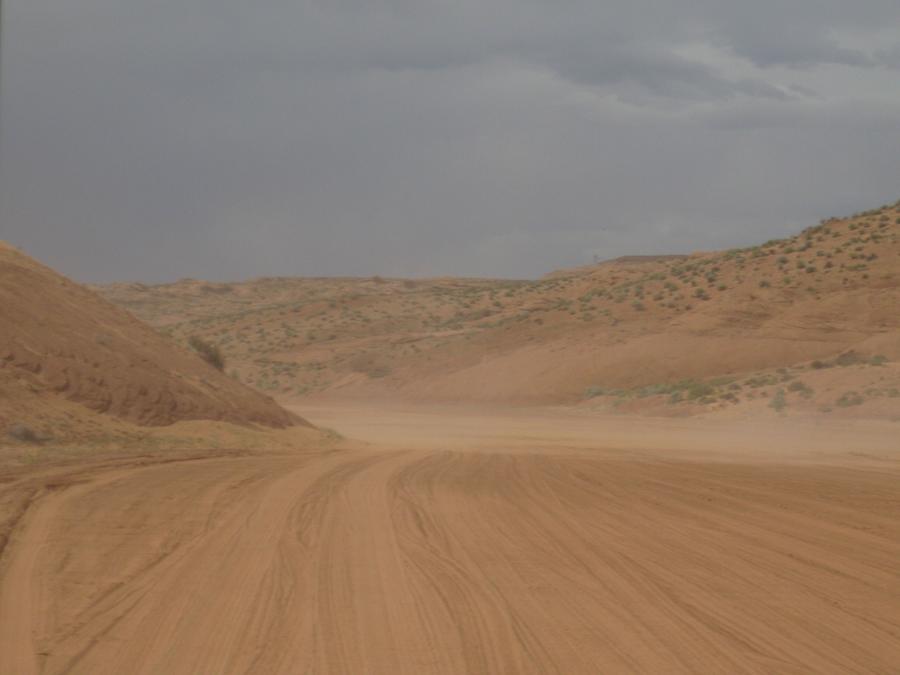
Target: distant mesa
638,259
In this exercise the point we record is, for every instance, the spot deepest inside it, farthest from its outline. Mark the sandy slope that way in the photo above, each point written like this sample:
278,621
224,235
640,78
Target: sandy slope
471,543
628,325
68,357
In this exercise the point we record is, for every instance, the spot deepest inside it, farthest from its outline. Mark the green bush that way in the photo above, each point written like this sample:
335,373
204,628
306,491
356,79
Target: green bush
697,390
208,352
778,402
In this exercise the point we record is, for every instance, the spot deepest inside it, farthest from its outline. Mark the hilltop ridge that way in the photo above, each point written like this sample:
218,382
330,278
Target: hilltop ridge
633,333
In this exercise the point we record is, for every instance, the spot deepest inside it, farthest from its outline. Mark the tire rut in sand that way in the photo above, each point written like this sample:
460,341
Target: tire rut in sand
421,562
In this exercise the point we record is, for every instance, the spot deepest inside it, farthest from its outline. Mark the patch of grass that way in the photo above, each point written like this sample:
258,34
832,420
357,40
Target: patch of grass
698,390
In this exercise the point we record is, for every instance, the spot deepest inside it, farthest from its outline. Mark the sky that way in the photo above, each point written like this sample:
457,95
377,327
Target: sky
154,140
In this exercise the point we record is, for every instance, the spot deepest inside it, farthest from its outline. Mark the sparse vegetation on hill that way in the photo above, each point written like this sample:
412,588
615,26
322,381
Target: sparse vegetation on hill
72,363
824,299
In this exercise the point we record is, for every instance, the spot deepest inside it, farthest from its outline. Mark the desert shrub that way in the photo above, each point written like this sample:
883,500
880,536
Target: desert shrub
778,402
849,358
878,360
764,284
850,398
208,352
606,391
800,388
758,381
20,432
698,390
654,390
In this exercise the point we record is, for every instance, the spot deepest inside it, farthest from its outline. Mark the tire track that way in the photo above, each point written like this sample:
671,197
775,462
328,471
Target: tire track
483,561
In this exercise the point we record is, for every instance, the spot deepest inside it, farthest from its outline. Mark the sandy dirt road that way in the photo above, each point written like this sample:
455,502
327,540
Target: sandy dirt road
470,544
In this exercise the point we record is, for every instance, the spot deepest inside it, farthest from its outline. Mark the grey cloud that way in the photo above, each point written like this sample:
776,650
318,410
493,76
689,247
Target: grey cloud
658,73
889,57
167,139
796,49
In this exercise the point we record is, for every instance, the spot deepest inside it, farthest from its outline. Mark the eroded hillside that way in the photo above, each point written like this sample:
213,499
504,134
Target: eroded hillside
68,357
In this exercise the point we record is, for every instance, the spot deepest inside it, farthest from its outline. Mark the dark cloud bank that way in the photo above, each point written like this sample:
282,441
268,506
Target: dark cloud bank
154,140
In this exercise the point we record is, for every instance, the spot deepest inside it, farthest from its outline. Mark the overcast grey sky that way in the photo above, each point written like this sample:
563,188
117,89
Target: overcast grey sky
152,140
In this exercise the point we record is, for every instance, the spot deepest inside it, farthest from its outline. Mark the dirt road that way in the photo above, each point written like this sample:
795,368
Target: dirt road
447,549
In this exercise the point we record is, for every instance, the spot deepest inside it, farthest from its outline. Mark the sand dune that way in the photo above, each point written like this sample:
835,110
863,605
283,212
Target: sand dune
469,543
